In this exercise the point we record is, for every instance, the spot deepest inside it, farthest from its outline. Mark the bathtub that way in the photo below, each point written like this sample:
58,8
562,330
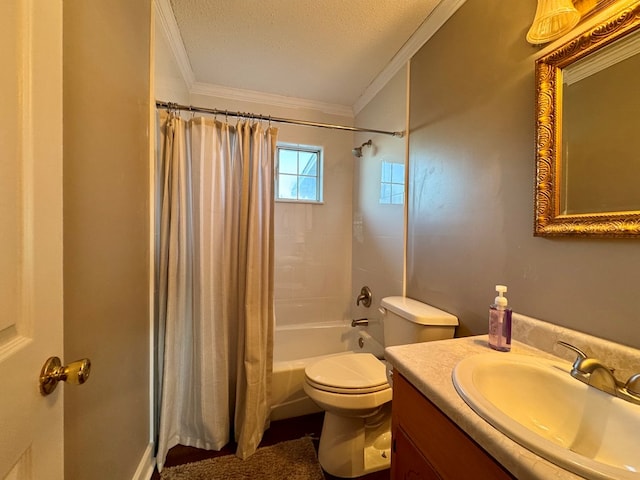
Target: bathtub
296,346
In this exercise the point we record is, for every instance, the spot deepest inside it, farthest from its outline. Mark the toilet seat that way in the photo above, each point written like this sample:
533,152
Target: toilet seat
347,391
349,374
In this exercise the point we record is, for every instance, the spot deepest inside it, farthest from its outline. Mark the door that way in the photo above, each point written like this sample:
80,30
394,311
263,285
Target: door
30,236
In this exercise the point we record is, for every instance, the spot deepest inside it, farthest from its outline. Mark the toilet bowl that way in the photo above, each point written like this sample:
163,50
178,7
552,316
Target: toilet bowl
353,390
355,394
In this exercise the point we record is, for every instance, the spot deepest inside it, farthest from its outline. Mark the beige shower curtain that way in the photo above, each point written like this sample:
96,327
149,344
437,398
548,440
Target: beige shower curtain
215,283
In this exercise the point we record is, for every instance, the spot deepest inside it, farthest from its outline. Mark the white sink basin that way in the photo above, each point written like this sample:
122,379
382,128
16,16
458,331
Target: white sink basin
537,403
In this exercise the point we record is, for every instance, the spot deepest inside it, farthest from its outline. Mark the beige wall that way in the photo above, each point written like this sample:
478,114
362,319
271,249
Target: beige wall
378,230
471,199
106,60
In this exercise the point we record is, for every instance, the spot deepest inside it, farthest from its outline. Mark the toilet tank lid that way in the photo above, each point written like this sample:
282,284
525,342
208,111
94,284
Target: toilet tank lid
418,312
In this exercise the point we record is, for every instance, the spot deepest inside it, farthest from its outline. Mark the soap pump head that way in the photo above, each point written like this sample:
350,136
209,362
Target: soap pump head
501,300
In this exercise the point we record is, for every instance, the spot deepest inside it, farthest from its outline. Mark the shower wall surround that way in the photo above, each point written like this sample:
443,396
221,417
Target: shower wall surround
378,229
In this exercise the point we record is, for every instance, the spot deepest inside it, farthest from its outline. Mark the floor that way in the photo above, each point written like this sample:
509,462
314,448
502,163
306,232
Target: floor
279,431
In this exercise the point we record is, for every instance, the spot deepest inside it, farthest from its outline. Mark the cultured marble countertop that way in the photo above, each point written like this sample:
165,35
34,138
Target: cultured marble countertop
429,366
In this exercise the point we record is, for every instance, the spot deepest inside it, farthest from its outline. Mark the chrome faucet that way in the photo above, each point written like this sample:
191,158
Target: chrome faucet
359,322
594,373
364,297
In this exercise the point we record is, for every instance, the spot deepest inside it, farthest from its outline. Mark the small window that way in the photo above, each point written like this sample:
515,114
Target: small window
298,173
392,183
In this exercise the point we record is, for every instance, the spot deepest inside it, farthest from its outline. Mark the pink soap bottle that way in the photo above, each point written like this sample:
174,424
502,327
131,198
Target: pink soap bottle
500,322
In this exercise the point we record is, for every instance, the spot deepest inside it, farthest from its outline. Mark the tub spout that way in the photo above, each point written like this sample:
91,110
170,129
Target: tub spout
359,322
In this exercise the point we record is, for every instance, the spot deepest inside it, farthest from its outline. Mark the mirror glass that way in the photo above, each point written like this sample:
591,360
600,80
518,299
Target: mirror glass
600,130
588,132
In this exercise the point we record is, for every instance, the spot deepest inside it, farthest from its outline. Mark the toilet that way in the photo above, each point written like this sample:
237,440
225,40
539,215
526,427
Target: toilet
354,392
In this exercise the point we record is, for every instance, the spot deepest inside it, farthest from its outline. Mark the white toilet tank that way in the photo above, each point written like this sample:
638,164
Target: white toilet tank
409,321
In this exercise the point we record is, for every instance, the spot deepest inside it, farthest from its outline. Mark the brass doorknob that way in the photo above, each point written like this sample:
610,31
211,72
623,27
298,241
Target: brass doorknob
53,372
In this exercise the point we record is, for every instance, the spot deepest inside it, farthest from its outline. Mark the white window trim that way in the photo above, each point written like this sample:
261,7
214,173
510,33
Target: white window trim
320,176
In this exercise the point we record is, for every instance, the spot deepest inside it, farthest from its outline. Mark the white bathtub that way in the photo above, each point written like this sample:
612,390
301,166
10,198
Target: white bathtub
298,345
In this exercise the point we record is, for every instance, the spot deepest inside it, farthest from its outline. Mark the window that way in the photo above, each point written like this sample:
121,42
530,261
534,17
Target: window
392,183
298,173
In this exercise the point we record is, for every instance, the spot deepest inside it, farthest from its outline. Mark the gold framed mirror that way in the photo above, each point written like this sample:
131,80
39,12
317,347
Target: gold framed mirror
588,133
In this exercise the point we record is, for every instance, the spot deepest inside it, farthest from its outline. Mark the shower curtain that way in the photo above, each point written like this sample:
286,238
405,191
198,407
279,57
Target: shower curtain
215,283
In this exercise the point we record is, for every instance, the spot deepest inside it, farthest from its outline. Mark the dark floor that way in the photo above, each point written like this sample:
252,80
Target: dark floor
279,431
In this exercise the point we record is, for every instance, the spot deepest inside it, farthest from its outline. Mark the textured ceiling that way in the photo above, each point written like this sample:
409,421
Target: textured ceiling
322,50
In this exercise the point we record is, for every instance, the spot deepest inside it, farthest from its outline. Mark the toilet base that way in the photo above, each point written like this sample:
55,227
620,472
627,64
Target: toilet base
354,446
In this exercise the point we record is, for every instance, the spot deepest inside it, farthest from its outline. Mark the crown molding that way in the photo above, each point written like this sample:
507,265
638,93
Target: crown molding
172,32
429,27
200,88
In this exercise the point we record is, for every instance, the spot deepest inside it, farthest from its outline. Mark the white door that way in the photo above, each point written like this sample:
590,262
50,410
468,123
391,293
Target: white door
30,236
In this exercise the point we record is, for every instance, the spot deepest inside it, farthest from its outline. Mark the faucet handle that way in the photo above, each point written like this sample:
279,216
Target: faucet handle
633,384
581,355
364,297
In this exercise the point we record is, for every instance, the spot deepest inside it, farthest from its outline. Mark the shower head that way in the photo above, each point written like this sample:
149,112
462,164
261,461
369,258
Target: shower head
357,152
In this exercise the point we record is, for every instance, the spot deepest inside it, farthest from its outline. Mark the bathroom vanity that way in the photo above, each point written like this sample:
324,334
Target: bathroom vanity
436,434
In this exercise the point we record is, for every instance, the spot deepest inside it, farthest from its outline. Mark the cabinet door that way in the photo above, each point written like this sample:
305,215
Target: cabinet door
444,446
407,463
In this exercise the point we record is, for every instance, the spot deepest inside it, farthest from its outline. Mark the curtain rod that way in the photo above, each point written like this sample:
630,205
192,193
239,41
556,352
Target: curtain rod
215,111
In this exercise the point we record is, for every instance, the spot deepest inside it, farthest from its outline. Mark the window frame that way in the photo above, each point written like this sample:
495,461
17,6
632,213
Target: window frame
319,177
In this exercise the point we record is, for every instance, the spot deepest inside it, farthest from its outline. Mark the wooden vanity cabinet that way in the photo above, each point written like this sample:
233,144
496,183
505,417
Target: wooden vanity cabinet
427,445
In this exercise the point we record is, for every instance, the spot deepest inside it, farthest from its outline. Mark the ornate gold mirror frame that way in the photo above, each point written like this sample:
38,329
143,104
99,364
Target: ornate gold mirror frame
549,221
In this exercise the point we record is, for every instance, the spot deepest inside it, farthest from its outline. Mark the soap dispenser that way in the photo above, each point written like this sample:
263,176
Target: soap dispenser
500,322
